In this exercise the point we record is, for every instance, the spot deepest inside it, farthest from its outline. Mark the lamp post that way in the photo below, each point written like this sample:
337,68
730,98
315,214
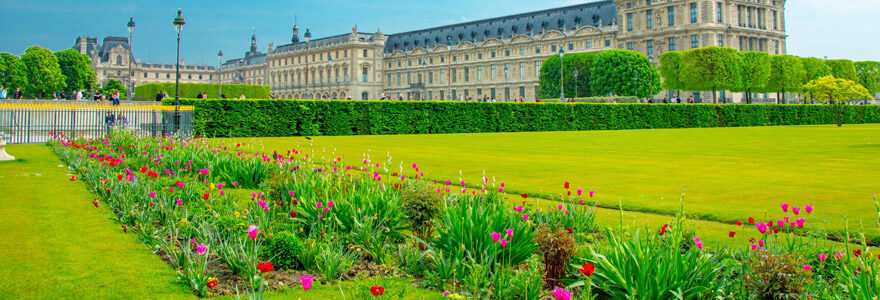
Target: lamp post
561,79
506,83
576,83
130,26
219,75
651,83
424,75
178,26
307,36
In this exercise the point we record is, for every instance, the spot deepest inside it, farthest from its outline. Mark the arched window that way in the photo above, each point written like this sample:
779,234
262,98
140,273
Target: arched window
365,53
119,59
364,95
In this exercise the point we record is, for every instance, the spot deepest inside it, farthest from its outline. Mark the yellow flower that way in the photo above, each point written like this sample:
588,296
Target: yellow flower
184,221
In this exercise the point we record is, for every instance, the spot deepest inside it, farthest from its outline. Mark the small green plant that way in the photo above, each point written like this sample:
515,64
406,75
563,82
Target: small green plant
556,248
775,276
421,206
334,260
283,250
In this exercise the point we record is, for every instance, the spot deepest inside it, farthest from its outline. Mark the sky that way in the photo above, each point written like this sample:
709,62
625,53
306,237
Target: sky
836,29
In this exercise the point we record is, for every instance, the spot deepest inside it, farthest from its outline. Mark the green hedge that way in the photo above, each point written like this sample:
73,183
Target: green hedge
191,90
265,118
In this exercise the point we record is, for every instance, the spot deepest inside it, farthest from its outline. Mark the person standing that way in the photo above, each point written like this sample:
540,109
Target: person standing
121,121
17,95
159,96
2,92
109,120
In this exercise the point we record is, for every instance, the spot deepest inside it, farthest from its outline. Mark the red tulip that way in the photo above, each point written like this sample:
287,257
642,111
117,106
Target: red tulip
143,169
72,177
570,230
731,234
119,176
587,269
124,229
663,229
205,196
524,196
857,252
212,283
566,185
108,190
265,267
739,223
377,290
293,214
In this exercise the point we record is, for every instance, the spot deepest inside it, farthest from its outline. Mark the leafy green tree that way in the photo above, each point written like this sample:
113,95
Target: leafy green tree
114,86
43,72
843,69
837,91
549,76
786,74
814,68
670,70
711,69
754,72
77,68
13,72
614,71
869,75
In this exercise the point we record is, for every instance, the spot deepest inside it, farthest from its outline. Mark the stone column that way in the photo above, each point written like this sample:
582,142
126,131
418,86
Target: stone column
3,155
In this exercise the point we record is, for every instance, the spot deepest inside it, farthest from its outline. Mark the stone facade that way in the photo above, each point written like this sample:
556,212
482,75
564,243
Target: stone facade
496,58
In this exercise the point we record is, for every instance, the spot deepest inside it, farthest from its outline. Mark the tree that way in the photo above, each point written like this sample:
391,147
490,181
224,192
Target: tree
549,76
114,86
43,72
843,69
710,69
754,73
869,75
786,74
814,68
670,67
614,71
77,68
833,90
13,72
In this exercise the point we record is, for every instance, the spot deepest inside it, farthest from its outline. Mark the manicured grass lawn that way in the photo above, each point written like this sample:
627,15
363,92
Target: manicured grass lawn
56,245
729,173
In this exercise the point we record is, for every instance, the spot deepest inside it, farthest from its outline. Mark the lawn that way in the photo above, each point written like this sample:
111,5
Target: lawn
729,174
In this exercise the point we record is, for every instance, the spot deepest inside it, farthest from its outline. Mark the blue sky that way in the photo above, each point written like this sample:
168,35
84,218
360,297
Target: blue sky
837,29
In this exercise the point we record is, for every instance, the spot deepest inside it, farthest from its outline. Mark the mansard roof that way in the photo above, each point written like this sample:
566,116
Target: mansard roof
599,13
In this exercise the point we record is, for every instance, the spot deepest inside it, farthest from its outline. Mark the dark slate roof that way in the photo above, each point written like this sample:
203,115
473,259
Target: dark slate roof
567,17
109,43
324,41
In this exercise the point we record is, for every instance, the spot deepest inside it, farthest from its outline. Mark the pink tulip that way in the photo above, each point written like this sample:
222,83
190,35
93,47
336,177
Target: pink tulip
306,281
171,189
784,207
591,194
152,194
762,227
559,207
761,243
319,204
807,267
330,204
525,217
502,184
808,208
179,201
509,232
561,294
448,182
180,184
822,257
201,249
754,247
580,192
780,223
326,209
581,201
220,186
204,171
222,193
503,243
253,232
496,237
518,209
800,222
291,193
500,190
320,216
838,255
796,210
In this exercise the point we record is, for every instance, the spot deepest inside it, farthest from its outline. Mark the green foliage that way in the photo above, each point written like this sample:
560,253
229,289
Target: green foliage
283,250
43,72
335,260
612,99
670,69
191,90
869,75
775,276
556,248
278,118
549,76
421,205
843,69
77,68
754,72
786,74
711,69
837,91
814,68
13,72
613,72
114,86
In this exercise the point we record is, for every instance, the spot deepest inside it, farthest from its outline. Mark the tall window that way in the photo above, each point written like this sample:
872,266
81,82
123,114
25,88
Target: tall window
570,46
760,18
695,41
442,76
629,22
630,46
607,42
670,11
506,71
365,53
589,44
672,44
718,14
454,72
364,75
398,79
649,17
522,50
537,68
650,48
479,73
694,13
493,53
119,59
430,77
553,48
467,74
537,49
775,20
522,70
720,40
492,73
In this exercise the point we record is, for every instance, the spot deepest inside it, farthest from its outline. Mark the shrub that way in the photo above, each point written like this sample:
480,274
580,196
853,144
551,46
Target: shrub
259,118
421,206
556,247
283,250
775,276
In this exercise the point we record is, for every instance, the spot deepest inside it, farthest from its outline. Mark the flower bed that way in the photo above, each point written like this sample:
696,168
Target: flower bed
232,220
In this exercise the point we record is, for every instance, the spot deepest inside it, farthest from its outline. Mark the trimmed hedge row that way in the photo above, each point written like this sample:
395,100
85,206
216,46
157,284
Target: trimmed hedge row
275,118
191,90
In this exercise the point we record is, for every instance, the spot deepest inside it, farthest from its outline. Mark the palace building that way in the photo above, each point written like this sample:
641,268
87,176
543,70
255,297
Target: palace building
498,58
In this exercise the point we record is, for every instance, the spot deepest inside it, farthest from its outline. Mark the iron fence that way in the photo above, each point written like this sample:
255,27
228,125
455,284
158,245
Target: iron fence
33,123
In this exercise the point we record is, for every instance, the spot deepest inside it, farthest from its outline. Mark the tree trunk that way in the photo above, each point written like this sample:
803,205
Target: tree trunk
714,96
749,96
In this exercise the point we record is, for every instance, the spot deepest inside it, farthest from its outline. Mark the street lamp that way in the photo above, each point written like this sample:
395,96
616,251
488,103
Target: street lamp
219,75
178,26
130,26
506,83
307,36
576,83
561,82
651,83
424,64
